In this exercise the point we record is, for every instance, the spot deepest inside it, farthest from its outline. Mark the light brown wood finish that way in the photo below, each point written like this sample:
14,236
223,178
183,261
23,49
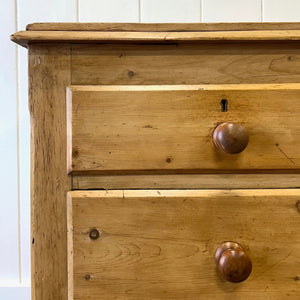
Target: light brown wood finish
186,64
186,87
169,129
49,74
25,37
187,181
161,244
161,26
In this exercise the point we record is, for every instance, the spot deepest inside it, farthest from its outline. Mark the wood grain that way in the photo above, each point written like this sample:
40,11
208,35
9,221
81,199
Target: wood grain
169,129
25,37
49,74
161,244
185,64
187,181
162,26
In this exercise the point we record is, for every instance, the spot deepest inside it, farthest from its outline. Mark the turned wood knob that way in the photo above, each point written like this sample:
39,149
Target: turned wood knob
230,138
232,262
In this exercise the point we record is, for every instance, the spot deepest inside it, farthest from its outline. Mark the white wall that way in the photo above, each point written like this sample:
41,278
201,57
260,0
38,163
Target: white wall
14,117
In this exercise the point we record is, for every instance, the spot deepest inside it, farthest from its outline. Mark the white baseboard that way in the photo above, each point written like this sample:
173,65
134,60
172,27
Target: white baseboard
18,292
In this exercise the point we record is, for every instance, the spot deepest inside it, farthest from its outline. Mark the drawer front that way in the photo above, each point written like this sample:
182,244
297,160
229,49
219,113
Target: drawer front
186,63
169,129
161,244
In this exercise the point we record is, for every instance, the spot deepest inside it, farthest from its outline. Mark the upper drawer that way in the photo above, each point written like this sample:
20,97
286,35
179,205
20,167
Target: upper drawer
189,63
169,129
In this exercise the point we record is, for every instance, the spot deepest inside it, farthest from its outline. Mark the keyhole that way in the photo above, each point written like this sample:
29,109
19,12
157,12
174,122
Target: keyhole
224,105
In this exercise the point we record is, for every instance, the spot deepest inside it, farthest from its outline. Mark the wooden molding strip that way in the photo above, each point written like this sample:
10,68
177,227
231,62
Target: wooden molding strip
23,38
183,193
202,87
152,27
188,181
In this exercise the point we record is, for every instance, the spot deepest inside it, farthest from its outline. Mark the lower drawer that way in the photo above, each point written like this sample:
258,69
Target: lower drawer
147,244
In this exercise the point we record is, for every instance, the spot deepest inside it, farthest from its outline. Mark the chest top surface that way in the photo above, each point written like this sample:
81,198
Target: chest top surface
156,33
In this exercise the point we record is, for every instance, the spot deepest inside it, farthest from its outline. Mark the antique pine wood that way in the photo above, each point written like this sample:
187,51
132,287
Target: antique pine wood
161,26
49,74
187,181
160,244
25,37
169,129
185,64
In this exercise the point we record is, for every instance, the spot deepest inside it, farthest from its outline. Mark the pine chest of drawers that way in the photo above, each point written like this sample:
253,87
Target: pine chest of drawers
165,160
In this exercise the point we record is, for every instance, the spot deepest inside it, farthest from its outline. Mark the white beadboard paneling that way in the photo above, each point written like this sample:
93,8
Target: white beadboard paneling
31,11
15,293
108,10
9,251
281,10
231,11
169,11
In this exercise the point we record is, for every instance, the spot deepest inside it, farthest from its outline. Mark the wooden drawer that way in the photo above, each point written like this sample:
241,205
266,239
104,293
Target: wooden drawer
168,129
186,63
160,244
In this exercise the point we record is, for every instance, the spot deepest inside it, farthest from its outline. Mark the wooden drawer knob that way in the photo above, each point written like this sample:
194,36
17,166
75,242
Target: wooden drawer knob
230,138
232,262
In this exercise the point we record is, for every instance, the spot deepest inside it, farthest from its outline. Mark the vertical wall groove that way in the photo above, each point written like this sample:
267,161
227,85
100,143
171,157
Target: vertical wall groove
140,11
201,17
77,10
